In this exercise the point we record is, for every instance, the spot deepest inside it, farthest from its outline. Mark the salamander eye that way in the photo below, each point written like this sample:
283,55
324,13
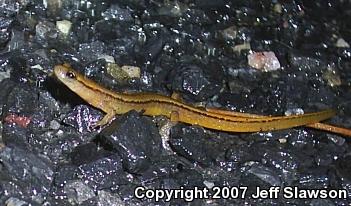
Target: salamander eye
71,75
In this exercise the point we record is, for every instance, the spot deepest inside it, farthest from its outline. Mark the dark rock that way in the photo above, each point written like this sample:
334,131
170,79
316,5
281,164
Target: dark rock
64,174
20,102
314,178
5,30
237,155
111,30
265,174
116,12
194,81
285,161
328,153
136,139
197,16
82,118
210,4
85,153
82,29
162,168
86,50
17,41
185,142
343,173
153,46
299,139
189,178
45,31
344,53
7,85
33,173
78,192
307,62
103,173
9,8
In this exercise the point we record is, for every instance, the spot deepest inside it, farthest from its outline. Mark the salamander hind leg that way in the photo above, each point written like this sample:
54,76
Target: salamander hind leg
174,116
176,96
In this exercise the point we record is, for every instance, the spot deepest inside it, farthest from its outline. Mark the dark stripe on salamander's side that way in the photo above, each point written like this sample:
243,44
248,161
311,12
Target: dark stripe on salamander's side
186,107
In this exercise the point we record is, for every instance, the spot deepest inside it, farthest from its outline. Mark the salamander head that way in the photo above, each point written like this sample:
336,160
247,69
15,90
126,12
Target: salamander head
67,75
75,81
79,84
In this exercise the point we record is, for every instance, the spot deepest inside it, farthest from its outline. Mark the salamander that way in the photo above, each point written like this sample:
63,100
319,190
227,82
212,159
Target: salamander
114,103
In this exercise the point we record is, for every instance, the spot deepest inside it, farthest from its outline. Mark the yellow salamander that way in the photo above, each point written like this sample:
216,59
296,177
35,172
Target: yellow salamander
113,103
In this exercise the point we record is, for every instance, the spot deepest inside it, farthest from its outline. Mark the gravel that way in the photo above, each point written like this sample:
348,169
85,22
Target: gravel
51,155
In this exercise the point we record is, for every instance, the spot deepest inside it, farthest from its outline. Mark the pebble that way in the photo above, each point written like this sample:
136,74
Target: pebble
266,61
64,26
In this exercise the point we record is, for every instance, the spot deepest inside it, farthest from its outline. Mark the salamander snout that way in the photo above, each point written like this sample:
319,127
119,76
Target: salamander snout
64,72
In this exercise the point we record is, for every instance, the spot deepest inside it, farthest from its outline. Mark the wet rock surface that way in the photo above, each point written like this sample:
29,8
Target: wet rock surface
50,154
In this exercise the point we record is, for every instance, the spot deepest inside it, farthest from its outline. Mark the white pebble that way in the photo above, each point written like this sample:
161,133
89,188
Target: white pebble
341,43
64,26
266,61
107,58
132,71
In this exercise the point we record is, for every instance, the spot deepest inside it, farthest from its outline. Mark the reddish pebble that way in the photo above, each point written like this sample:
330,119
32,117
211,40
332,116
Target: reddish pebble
21,121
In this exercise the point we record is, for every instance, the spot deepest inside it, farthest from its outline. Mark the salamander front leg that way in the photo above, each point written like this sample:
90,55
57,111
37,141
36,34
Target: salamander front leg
106,119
